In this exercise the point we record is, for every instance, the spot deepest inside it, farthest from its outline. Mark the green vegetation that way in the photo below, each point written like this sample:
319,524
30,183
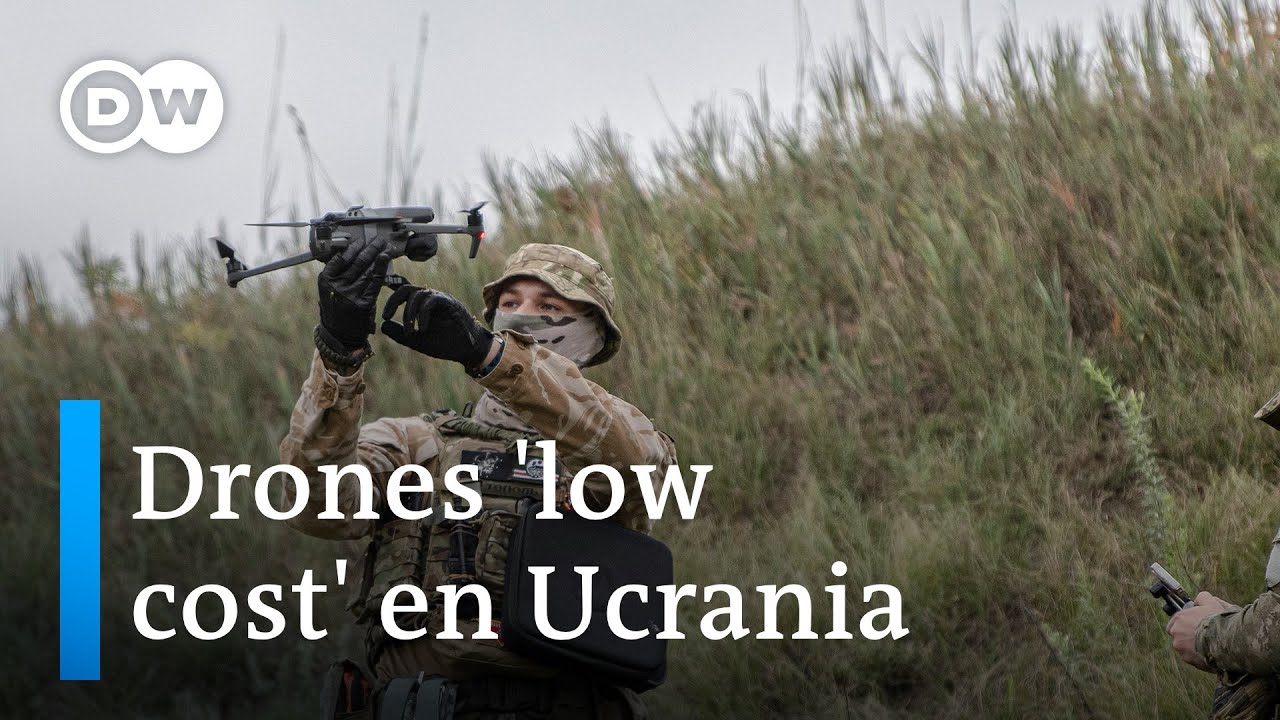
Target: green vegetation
870,317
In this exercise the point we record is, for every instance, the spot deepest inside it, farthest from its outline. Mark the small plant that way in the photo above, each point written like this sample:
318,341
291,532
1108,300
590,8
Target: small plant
1128,405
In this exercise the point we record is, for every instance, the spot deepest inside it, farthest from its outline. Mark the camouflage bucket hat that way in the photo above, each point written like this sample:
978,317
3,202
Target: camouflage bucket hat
572,274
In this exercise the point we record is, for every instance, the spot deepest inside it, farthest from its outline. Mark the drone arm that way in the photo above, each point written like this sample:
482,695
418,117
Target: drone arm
476,231
437,229
234,277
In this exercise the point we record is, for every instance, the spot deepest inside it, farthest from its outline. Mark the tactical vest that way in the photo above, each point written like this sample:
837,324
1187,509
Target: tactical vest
436,551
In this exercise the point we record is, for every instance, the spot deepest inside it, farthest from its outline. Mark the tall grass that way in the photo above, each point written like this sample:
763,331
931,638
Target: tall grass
869,318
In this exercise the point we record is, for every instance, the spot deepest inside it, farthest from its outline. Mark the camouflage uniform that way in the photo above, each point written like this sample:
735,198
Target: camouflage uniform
547,392
1243,646
1244,639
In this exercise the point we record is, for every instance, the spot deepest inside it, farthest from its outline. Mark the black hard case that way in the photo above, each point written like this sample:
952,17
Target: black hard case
624,557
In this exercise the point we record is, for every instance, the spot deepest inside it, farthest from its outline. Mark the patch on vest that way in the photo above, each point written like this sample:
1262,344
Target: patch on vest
490,464
532,471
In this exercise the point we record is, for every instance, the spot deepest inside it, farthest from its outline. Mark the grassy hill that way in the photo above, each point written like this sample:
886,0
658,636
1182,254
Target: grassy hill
871,319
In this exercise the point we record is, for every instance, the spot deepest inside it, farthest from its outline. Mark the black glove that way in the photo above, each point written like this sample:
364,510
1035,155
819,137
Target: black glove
437,325
349,286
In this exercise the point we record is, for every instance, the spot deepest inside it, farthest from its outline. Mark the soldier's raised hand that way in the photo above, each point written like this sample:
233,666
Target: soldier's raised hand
437,325
348,288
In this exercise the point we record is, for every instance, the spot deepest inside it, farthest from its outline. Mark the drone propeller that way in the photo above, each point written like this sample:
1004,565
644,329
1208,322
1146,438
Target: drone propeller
234,266
280,224
224,250
475,226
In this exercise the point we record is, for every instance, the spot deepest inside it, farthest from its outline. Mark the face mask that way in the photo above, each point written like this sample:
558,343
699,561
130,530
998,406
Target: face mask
577,336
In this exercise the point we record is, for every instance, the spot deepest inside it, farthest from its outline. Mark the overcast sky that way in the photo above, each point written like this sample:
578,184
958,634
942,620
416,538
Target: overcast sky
511,78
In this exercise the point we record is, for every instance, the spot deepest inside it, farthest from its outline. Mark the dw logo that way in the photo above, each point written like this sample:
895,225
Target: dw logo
107,106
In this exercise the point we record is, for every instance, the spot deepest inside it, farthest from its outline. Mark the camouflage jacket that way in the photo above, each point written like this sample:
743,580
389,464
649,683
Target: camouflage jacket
590,426
1243,640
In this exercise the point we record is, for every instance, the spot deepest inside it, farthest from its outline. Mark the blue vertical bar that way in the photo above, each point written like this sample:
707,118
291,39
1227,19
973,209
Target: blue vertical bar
79,540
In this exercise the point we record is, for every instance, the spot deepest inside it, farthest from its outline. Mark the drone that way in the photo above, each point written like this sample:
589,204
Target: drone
408,230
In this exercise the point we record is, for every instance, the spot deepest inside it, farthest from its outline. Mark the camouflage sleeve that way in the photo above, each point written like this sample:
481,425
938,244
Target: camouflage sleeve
1245,639
325,430
589,425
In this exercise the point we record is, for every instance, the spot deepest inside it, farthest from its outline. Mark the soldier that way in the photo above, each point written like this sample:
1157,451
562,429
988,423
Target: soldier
1240,644
552,314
